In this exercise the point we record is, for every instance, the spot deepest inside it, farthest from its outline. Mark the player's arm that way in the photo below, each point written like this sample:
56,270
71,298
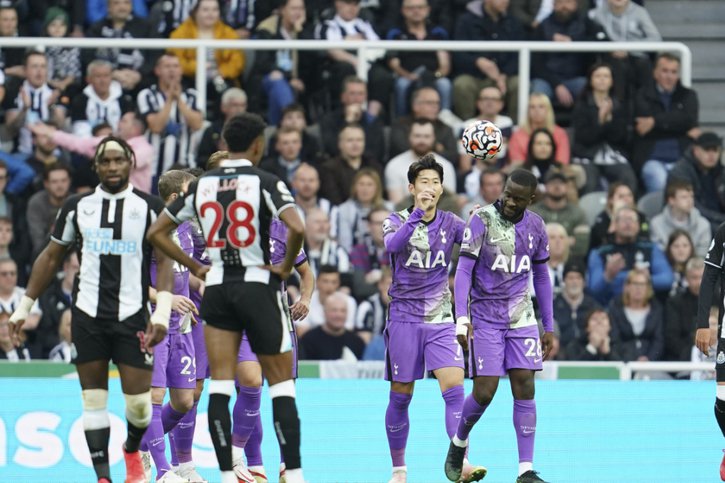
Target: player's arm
301,308
159,235
708,286
396,237
542,288
295,237
471,244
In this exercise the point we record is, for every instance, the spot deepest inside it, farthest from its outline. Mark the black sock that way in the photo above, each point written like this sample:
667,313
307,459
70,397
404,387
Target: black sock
133,440
220,427
287,427
720,414
97,440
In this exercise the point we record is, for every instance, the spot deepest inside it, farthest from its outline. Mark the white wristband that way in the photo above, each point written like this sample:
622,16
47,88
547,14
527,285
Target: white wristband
463,320
161,315
461,330
23,309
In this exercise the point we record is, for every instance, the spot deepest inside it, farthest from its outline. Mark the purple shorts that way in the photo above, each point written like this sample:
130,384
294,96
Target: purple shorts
494,350
174,363
414,348
202,361
246,354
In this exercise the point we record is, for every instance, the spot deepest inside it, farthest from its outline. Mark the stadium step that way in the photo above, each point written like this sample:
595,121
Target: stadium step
665,12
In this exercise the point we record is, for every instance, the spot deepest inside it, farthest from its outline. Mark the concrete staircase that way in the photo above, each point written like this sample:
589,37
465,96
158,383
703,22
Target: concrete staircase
700,24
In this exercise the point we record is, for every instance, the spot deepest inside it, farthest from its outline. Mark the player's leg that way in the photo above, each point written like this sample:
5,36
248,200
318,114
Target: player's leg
136,385
720,392
245,415
154,435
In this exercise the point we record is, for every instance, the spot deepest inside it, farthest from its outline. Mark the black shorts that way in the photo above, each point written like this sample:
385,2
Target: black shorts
104,339
720,359
253,307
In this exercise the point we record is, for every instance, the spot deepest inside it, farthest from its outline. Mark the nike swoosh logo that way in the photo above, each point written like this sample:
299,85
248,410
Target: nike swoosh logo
496,240
528,432
458,358
536,361
192,379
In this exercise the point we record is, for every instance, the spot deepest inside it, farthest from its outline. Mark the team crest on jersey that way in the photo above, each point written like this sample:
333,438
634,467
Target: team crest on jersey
443,237
721,358
466,234
135,214
387,226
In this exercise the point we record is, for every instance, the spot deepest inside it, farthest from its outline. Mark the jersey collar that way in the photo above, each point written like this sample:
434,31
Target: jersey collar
235,163
114,196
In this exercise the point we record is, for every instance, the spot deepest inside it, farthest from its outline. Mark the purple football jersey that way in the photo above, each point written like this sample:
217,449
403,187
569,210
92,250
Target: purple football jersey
278,244
200,255
504,252
420,292
183,237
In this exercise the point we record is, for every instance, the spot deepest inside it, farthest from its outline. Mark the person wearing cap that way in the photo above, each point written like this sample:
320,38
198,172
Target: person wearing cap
64,63
702,168
573,304
555,207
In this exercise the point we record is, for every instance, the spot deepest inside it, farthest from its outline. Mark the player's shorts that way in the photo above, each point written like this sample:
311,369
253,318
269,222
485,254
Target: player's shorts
174,362
720,358
411,349
253,307
121,341
494,351
246,354
202,359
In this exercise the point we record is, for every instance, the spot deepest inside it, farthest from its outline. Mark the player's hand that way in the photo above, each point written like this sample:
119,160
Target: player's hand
15,330
155,333
702,341
463,338
424,199
564,96
200,271
183,305
300,309
547,343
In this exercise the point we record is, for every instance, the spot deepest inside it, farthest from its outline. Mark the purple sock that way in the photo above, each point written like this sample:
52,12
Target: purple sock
154,441
472,412
525,425
181,438
170,417
454,404
253,448
245,414
397,426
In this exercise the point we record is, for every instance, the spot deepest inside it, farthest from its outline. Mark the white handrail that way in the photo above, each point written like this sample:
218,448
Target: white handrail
523,48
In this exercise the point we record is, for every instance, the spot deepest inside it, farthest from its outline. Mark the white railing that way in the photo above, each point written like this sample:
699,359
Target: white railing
524,50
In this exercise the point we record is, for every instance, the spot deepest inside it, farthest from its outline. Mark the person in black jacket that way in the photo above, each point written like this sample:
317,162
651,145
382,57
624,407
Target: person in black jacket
680,315
598,342
573,304
288,155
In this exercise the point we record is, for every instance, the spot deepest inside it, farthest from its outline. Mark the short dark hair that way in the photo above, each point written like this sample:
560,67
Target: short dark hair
287,130
524,177
351,125
294,107
351,79
242,130
614,186
195,172
426,162
667,56
328,269
99,126
421,121
127,150
172,182
56,166
491,172
675,185
6,219
31,53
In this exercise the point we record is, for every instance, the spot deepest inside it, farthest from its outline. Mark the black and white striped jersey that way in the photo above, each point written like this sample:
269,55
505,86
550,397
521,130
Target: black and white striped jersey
235,204
110,233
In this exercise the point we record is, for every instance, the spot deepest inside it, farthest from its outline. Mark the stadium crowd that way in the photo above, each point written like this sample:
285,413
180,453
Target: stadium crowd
631,188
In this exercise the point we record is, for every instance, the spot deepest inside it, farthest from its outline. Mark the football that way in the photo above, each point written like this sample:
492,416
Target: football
482,139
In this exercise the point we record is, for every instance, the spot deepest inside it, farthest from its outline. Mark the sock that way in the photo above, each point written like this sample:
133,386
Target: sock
397,426
470,414
454,404
253,449
133,440
720,414
294,476
220,427
229,476
245,415
155,442
181,438
525,425
97,440
287,426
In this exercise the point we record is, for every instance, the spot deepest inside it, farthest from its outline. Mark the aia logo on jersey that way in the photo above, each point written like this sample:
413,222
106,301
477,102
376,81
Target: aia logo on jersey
417,259
511,264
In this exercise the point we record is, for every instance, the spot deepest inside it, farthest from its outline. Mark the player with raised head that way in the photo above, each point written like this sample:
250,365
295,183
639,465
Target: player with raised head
713,276
235,204
174,357
420,333
108,226
502,245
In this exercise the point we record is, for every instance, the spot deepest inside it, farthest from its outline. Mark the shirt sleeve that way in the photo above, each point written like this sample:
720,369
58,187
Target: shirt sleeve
64,231
276,194
145,103
714,255
474,236
459,228
542,249
183,208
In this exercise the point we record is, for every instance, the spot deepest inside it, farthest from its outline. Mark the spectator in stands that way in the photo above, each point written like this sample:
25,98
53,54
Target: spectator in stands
702,168
489,104
337,174
98,9
680,212
597,342
572,305
328,282
131,129
555,207
486,20
172,116
284,71
619,195
425,104
532,12
540,116
679,251
332,340
289,157
102,100
39,11
64,63
697,356
561,75
15,177
414,69
666,119
233,102
624,21
6,237
353,98
369,257
293,117
610,264
8,351
33,101
321,248
422,140
244,15
372,312
11,294
491,187
680,324
306,187
601,127
45,153
53,303
43,206
63,351
12,208
559,250
540,155
130,66
637,318
12,57
366,194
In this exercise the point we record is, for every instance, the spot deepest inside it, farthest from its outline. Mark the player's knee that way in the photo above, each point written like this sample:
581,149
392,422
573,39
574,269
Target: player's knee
483,394
138,409
95,412
157,395
250,378
523,388
183,402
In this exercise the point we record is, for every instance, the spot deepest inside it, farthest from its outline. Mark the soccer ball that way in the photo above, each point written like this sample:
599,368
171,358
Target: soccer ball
482,140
